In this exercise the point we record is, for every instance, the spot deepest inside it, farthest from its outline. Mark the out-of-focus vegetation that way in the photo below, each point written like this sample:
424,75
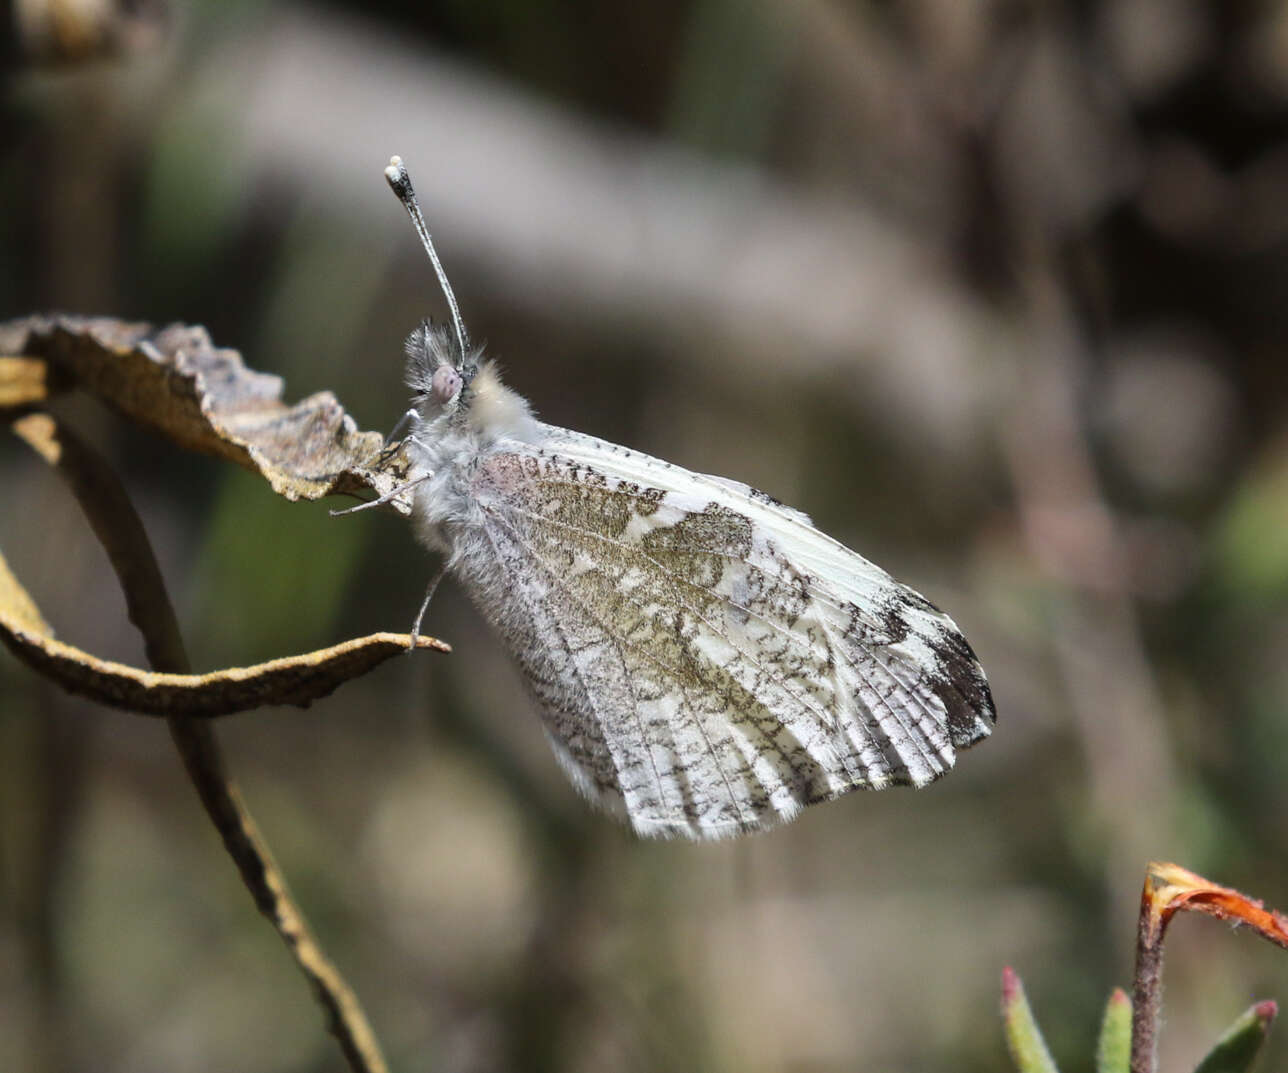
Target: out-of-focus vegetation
995,291
1130,1028
1236,1051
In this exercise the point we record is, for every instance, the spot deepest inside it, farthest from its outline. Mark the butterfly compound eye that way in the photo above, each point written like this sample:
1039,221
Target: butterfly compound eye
444,384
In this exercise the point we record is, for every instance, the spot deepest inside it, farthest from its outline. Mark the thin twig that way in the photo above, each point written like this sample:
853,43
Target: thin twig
120,530
222,800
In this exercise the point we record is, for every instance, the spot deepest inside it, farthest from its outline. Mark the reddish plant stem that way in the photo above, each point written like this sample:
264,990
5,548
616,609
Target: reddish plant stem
1147,987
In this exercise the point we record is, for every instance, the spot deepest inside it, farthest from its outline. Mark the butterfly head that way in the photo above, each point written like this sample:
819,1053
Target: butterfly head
468,394
436,371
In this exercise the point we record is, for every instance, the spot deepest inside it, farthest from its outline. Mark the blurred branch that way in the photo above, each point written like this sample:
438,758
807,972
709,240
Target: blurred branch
1073,536
54,32
581,220
222,800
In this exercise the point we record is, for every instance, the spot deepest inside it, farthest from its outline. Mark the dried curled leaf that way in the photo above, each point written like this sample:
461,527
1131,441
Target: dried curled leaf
1169,888
297,680
203,398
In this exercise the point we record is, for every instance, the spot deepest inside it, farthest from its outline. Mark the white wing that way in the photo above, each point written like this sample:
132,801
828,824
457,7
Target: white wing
933,642
706,661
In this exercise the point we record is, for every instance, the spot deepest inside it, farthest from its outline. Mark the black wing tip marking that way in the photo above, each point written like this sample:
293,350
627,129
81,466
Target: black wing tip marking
965,693
958,680
961,684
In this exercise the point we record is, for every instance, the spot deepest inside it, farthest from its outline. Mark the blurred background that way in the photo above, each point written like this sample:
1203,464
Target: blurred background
995,291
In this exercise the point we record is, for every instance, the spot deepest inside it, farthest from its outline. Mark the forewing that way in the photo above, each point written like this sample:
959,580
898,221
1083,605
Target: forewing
698,668
918,635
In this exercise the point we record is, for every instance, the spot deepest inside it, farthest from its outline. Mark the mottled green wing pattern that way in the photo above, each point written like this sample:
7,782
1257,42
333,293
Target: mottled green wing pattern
698,652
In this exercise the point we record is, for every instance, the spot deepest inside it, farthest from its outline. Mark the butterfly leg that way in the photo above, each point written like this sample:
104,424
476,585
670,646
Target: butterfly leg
384,498
429,595
392,441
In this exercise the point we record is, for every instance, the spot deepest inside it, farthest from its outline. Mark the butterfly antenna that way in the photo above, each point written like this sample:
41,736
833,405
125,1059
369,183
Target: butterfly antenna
400,182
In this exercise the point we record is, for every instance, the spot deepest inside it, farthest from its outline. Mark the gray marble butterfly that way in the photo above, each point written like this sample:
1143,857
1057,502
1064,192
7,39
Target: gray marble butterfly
705,661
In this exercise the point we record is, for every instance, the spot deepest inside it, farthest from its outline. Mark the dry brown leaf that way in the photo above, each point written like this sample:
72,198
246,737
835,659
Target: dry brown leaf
297,680
1169,888
203,398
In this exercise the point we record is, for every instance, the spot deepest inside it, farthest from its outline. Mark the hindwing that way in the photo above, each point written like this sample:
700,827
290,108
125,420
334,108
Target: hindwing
705,660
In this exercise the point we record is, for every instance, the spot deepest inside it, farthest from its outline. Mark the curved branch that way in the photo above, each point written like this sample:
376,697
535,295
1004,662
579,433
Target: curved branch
117,525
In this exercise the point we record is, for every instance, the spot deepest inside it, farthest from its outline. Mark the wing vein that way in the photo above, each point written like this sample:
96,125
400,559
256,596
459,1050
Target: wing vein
821,597
581,677
805,701
916,741
673,672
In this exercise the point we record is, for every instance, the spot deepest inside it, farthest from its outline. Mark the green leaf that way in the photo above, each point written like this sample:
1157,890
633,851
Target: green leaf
1023,1037
1113,1050
1238,1048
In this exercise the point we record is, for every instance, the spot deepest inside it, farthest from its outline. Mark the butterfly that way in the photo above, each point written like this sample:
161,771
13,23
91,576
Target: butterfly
705,661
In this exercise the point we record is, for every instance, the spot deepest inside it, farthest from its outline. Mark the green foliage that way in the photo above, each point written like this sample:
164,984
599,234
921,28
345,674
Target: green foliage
1023,1037
1238,1048
1235,1052
1113,1051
